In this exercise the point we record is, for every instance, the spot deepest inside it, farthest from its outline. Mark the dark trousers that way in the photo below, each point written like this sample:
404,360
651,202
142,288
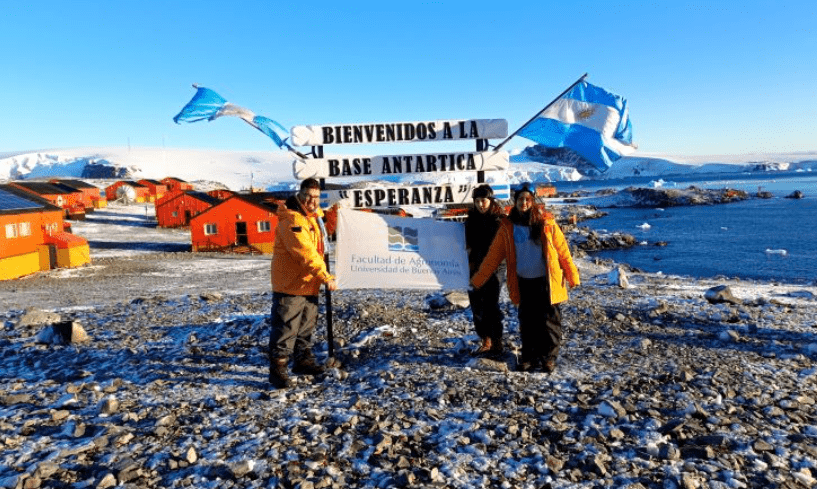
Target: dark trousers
485,309
540,322
293,319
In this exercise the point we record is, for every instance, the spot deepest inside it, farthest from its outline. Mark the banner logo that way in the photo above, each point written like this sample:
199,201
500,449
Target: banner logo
403,238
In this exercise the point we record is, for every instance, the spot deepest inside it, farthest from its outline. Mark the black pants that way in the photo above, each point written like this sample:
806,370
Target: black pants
540,322
293,319
485,309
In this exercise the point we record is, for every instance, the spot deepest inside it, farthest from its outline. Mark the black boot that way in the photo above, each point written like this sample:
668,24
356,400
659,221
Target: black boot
278,375
307,365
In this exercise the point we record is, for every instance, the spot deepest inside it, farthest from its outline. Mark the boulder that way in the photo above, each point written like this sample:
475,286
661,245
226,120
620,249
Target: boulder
618,277
797,194
36,317
63,333
721,294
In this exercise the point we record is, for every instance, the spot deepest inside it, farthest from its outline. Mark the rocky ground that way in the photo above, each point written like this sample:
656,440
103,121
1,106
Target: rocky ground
656,387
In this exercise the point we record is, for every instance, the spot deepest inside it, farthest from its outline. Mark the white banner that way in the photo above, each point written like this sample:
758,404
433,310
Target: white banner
387,252
408,195
364,166
399,132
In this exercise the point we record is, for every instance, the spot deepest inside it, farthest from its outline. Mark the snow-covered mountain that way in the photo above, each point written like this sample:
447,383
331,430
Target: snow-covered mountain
273,169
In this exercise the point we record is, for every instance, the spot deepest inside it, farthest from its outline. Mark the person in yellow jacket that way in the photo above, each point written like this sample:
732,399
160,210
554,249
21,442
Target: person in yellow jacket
539,264
298,271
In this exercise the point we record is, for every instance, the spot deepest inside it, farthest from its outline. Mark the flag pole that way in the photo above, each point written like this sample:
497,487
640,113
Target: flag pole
500,145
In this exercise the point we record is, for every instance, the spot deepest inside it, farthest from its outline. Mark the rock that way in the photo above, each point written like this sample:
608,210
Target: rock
12,399
668,451
242,468
191,456
797,194
109,405
108,480
211,296
458,299
46,470
618,277
63,333
729,335
721,294
612,409
36,317
32,483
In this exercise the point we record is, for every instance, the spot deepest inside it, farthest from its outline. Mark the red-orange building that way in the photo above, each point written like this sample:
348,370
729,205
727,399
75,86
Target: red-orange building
131,190
90,195
68,199
156,188
32,237
174,183
178,209
243,221
171,194
221,193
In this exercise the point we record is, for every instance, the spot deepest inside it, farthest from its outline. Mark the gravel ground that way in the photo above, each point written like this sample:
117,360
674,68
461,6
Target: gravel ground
656,386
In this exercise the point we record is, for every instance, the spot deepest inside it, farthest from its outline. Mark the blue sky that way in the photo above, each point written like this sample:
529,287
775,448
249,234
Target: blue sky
705,78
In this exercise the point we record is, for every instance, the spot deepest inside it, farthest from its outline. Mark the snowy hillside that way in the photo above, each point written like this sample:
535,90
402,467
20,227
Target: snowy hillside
235,169
647,165
272,170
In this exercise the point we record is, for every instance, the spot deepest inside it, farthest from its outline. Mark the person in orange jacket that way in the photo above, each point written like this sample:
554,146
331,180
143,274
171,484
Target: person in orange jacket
539,264
297,272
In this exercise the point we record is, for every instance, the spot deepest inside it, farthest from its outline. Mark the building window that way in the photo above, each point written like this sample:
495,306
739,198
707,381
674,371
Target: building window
11,231
24,228
263,226
175,214
210,229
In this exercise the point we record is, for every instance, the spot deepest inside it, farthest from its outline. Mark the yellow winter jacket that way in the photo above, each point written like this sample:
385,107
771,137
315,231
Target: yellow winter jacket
560,266
298,267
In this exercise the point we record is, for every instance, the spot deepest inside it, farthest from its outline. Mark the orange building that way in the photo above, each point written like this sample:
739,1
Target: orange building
174,183
243,222
67,199
131,191
181,207
32,237
156,188
221,193
90,195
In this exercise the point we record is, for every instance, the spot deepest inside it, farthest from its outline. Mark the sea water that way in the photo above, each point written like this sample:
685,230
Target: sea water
766,239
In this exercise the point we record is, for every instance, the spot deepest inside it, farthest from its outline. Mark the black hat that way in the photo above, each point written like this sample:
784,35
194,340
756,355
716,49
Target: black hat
483,192
522,189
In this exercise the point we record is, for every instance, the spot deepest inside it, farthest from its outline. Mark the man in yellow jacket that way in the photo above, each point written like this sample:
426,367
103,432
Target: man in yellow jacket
298,271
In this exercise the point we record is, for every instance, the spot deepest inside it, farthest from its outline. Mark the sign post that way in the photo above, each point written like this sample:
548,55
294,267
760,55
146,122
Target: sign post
317,166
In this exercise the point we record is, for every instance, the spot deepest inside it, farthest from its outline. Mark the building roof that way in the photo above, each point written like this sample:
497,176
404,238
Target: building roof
132,183
45,188
267,200
16,201
202,196
76,184
151,181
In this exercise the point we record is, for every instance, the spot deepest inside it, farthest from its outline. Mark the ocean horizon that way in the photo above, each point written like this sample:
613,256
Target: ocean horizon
757,239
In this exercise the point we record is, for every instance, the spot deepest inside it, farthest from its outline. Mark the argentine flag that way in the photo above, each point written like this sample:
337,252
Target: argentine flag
207,104
589,120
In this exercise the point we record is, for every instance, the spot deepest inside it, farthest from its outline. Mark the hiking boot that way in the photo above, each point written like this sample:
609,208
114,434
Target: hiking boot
497,349
307,366
484,347
525,365
278,375
549,364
